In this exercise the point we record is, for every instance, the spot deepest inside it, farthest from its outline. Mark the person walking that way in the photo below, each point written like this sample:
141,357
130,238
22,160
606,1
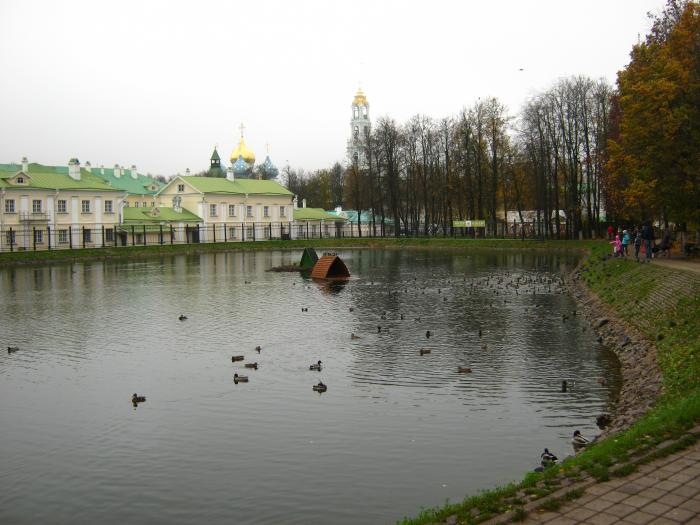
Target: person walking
637,242
648,238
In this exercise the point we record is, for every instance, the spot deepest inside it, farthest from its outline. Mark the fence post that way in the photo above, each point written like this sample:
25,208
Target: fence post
270,235
225,237
70,236
160,239
48,237
213,231
34,237
144,235
83,235
114,234
242,232
103,235
171,234
307,229
254,226
187,233
133,236
12,240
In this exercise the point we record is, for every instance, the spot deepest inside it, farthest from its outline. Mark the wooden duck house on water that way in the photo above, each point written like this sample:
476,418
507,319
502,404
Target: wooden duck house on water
330,266
308,259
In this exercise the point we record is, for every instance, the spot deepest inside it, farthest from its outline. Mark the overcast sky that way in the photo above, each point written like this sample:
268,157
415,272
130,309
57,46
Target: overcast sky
159,83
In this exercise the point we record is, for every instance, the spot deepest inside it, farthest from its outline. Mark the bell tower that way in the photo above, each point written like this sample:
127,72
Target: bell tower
359,127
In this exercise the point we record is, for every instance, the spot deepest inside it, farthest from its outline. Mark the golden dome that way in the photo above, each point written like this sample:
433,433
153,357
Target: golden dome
360,98
242,151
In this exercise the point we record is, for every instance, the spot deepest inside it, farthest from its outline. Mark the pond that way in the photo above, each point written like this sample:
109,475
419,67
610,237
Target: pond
396,430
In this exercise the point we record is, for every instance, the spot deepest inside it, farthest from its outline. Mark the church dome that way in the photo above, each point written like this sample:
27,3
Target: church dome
269,169
360,98
243,151
241,168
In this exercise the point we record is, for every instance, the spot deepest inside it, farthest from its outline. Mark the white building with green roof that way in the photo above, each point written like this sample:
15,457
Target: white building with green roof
240,209
49,207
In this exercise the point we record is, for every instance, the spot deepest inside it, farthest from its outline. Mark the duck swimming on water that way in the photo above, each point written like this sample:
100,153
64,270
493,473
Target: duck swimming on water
548,459
320,387
182,317
316,367
239,379
135,399
12,349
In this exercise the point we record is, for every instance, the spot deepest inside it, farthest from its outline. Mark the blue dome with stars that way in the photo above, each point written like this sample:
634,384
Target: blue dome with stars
268,168
241,168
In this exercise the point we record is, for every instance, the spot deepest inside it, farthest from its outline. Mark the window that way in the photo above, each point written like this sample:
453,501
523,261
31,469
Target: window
109,235
20,180
137,204
282,211
126,204
266,211
232,232
61,206
212,210
108,207
87,234
145,204
300,230
85,206
62,236
10,206
36,206
248,211
356,133
355,111
38,236
231,210
10,237
313,229
180,188
153,203
139,238
249,233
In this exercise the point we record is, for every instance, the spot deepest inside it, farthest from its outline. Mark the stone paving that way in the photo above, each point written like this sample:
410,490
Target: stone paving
666,491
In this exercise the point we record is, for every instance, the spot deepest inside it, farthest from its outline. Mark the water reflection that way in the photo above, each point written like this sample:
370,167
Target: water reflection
395,430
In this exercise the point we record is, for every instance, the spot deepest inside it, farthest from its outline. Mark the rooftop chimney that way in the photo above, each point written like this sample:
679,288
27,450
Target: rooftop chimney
134,175
229,173
117,171
102,169
303,203
74,169
187,172
25,165
295,202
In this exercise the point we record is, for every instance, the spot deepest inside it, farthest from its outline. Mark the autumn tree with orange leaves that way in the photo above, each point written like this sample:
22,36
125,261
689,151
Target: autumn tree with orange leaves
653,167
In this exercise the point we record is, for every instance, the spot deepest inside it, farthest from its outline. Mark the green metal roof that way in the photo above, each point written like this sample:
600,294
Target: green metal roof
215,155
53,177
135,186
238,186
315,214
145,215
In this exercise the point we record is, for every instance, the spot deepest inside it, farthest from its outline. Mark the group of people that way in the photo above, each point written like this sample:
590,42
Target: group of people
638,237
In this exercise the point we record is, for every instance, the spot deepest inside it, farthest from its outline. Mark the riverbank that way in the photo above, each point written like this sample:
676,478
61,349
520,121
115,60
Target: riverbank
137,252
650,315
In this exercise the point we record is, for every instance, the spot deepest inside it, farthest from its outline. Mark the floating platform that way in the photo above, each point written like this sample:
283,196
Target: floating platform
330,267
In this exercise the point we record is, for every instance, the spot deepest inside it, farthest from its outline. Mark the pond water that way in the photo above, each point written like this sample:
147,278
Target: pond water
396,430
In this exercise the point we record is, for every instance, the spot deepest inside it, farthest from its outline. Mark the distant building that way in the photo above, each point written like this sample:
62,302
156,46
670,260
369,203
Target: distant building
360,126
47,207
243,164
141,189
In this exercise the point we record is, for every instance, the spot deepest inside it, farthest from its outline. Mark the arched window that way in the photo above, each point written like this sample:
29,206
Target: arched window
355,112
356,132
364,111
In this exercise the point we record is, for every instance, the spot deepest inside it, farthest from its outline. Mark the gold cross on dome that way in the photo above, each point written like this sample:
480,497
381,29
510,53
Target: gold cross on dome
242,127
267,148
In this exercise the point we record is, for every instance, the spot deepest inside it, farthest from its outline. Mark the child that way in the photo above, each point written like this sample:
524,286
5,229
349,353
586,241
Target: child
625,242
617,246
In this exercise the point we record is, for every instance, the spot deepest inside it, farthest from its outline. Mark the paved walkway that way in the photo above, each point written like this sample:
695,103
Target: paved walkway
692,265
664,492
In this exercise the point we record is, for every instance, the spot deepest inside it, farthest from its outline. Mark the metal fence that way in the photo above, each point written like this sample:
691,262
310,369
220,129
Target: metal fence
35,237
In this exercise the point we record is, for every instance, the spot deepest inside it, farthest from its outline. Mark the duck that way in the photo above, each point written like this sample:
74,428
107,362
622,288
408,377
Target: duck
564,386
12,349
235,358
351,309
401,317
252,365
578,441
548,459
239,379
320,387
379,329
427,334
138,399
464,370
424,351
304,309
182,317
479,332
353,336
316,367
257,349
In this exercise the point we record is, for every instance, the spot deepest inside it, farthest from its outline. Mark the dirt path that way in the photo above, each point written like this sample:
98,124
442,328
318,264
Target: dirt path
691,265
